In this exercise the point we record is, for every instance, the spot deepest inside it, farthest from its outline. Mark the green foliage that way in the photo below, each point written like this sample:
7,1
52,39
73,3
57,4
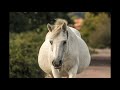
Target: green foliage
27,33
97,30
96,13
18,22
24,48
26,21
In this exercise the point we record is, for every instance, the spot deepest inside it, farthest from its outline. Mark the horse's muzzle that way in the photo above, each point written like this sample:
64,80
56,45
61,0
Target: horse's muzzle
57,64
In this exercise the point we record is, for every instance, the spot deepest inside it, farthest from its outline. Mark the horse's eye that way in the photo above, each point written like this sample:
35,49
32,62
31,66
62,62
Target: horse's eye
51,42
64,42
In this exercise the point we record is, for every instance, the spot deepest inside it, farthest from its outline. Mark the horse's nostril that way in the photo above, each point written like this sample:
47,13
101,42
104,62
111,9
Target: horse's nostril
53,62
57,63
60,62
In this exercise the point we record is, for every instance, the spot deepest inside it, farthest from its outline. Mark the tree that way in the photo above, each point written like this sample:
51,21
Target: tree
18,22
108,13
26,21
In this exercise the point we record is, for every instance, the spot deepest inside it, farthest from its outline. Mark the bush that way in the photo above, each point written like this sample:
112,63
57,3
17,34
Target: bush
97,30
24,48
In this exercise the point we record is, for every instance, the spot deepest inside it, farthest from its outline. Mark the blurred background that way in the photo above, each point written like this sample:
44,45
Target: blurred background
27,32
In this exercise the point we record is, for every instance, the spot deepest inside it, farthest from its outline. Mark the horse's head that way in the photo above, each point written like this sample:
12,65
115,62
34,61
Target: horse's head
58,41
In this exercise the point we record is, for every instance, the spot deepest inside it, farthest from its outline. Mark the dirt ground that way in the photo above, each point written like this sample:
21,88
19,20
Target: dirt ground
100,66
96,72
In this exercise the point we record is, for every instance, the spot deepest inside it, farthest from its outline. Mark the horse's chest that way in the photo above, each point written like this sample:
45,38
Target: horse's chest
67,65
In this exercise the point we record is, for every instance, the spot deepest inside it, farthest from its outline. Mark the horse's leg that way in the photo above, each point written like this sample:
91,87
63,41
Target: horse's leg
52,76
72,73
55,73
49,76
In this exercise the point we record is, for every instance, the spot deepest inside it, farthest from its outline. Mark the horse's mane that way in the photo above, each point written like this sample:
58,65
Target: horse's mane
58,25
60,22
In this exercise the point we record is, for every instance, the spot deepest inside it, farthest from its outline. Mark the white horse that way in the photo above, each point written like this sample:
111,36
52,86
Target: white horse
64,53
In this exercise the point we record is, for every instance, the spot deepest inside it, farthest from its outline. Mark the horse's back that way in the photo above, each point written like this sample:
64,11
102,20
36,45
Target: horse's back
75,31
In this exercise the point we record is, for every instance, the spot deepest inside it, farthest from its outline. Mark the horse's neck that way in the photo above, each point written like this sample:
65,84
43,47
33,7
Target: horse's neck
71,34
71,39
74,37
76,32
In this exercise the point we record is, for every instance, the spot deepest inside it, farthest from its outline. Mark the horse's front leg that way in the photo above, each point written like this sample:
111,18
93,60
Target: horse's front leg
55,72
73,71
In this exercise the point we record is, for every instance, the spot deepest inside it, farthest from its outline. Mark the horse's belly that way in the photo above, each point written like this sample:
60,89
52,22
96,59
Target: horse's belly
43,59
83,64
45,67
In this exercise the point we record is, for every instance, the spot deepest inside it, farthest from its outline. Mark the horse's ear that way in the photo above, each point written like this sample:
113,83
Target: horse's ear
49,27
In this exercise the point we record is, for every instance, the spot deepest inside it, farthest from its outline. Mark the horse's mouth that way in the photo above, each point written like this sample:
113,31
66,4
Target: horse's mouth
58,67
